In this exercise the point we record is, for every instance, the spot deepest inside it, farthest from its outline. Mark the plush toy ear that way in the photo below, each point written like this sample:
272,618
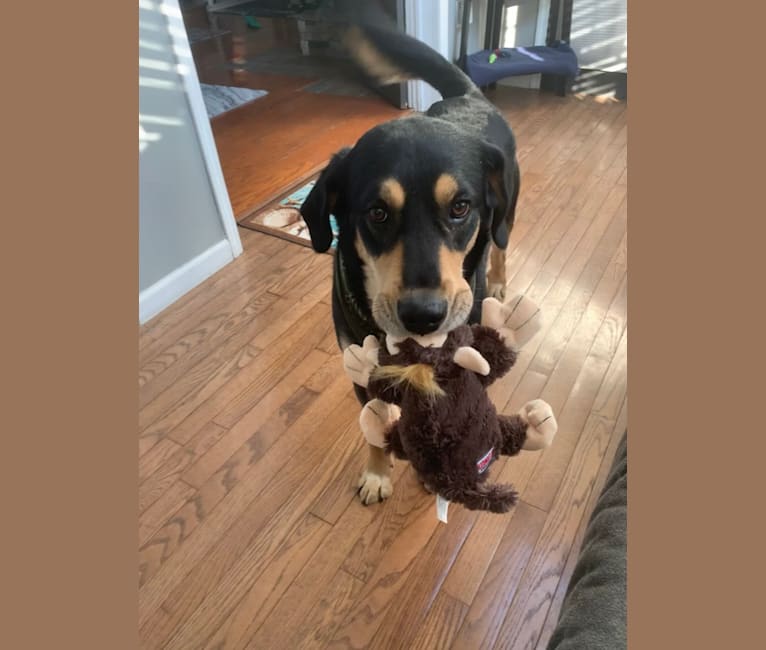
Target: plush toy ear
499,193
322,199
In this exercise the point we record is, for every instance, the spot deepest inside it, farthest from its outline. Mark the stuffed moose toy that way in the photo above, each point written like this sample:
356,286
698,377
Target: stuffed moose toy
429,404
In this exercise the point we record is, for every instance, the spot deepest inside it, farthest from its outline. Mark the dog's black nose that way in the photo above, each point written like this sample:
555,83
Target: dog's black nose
421,315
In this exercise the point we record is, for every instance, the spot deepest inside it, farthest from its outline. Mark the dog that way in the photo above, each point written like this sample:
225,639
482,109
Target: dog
424,204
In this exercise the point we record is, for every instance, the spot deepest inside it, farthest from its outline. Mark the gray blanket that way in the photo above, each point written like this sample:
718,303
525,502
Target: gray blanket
594,613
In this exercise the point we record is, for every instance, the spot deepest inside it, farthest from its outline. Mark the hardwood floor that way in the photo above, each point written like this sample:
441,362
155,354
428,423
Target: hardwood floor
250,534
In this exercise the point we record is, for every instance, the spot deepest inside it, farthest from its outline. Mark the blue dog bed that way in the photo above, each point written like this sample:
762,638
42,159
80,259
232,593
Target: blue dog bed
558,59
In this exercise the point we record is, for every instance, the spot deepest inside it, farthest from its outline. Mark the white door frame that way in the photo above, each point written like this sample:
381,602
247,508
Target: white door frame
188,73
428,21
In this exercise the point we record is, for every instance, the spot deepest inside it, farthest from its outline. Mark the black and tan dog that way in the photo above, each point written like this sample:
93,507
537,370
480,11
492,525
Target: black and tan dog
421,204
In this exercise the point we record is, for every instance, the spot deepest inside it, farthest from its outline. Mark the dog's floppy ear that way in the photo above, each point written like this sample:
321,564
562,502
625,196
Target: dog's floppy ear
497,193
322,199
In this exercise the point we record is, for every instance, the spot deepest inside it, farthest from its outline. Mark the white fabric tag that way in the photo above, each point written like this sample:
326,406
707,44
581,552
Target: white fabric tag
441,508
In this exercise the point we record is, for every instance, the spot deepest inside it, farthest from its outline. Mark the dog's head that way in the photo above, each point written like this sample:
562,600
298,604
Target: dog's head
417,201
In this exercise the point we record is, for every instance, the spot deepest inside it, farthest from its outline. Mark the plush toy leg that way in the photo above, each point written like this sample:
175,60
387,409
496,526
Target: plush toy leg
514,430
542,424
495,498
375,483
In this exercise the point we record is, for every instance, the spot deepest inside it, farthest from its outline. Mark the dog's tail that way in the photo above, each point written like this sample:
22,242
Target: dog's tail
386,56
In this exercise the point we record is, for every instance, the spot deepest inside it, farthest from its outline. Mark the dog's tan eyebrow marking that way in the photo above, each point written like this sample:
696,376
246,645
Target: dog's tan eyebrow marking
392,192
445,189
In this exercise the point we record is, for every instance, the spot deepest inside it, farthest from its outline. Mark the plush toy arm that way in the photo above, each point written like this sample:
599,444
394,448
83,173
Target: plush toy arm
490,345
517,320
360,361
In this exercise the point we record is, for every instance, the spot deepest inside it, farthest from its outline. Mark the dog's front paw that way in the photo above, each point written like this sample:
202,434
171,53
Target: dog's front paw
374,487
497,290
541,424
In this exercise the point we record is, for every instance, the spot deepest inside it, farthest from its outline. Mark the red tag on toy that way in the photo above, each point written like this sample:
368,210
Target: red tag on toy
484,461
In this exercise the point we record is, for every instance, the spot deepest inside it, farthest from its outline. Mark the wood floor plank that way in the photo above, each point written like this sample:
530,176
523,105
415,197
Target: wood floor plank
608,354
227,402
253,420
583,233
150,462
501,580
152,519
175,362
266,589
166,559
220,369
323,618
214,590
196,509
406,506
166,474
280,358
285,620
586,308
406,616
336,497
441,624
567,204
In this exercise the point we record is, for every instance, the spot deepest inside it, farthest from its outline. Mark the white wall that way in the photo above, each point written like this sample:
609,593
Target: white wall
185,232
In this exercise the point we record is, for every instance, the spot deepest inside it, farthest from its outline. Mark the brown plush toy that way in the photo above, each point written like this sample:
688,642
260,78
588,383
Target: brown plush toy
447,427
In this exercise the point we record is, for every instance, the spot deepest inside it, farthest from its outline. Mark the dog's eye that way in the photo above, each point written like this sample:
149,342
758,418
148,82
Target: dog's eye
377,215
459,209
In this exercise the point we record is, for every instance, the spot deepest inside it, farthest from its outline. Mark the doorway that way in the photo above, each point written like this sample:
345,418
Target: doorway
281,95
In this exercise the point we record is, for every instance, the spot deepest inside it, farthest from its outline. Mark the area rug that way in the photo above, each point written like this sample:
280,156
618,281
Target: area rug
283,219
220,99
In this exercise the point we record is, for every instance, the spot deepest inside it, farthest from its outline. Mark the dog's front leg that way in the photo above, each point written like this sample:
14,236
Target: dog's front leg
496,278
375,483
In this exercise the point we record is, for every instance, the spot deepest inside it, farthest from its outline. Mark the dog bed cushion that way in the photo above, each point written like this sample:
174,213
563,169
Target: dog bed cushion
558,59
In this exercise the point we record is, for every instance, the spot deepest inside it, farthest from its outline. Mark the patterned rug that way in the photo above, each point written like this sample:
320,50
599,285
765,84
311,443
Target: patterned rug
284,220
219,99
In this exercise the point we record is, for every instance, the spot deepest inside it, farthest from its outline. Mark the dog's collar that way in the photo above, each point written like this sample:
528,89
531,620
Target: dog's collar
358,320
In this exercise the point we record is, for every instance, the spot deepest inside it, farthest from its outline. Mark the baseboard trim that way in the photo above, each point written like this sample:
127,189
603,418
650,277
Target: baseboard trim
164,292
